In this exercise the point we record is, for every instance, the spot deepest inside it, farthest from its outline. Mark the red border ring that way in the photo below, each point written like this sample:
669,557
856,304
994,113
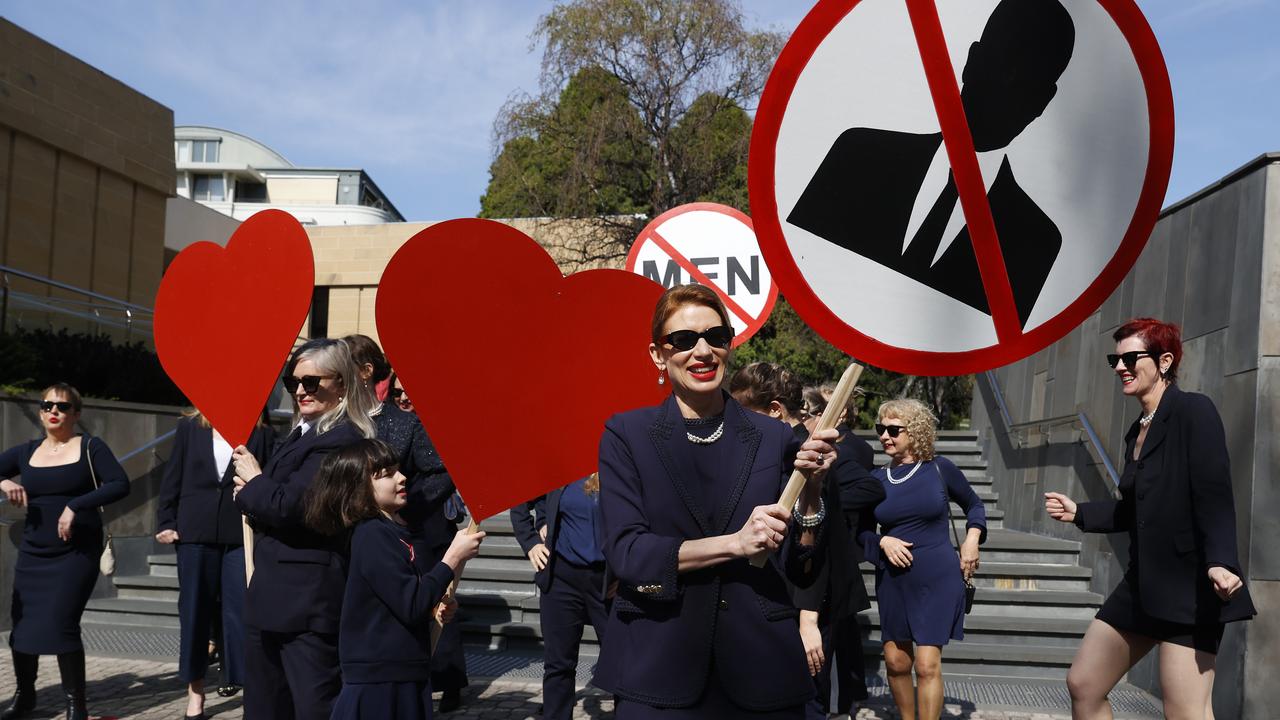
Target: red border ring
754,326
761,183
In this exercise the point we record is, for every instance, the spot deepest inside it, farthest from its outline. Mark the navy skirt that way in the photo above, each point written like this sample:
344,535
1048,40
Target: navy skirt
383,701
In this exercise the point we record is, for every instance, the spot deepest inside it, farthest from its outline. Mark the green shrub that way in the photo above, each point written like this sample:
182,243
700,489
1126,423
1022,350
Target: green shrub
34,359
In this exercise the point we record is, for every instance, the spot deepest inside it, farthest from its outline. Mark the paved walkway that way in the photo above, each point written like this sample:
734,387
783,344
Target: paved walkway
149,690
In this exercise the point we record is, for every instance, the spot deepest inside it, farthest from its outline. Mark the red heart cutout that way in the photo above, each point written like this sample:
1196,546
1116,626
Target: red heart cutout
226,318
513,367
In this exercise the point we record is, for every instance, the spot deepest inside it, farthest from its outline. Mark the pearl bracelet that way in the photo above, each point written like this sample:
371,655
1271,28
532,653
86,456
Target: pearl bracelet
809,521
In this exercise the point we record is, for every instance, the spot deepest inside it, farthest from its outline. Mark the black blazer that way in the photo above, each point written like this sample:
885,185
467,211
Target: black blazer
1179,513
193,501
527,525
299,575
666,627
849,492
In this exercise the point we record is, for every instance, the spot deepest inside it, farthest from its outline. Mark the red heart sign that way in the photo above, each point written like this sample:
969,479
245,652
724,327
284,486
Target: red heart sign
226,318
513,367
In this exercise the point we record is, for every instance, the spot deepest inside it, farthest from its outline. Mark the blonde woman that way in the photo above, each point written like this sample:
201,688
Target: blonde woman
293,603
920,588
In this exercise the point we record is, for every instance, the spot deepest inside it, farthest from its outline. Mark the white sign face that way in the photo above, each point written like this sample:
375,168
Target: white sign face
945,184
713,245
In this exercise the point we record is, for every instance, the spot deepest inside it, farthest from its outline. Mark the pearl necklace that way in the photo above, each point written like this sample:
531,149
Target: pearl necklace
1145,420
708,439
888,471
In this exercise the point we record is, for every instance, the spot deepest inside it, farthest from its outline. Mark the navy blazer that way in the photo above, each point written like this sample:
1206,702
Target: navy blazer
299,575
193,500
667,629
1179,513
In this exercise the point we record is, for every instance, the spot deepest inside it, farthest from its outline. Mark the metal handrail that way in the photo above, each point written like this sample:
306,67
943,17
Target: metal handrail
6,270
145,447
1080,418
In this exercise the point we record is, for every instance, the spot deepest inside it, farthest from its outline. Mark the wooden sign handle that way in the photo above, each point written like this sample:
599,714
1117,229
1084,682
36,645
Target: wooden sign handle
248,549
839,399
436,628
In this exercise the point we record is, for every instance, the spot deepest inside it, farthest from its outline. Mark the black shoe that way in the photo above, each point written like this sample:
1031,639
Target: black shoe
24,701
197,716
228,690
451,700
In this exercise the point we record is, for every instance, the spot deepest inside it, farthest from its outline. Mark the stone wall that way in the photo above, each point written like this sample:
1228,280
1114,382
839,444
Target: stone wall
1213,266
85,166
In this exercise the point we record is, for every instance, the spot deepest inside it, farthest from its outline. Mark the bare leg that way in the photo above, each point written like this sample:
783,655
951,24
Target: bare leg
195,697
1186,681
1104,656
898,659
929,679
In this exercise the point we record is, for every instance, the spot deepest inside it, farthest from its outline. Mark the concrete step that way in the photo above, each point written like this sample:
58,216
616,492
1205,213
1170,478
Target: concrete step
1011,631
147,587
1072,604
137,612
164,564
504,569
995,660
502,546
1022,576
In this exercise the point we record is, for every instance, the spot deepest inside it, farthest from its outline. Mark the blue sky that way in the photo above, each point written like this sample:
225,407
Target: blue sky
408,90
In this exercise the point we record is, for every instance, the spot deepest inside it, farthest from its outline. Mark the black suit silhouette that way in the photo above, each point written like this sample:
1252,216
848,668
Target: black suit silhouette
861,198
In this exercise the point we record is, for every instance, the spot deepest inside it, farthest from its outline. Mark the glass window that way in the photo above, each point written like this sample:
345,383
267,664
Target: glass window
210,188
184,150
204,151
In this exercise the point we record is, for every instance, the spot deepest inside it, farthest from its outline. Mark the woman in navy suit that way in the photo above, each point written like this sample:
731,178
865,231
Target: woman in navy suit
565,545
294,601
689,491
1184,578
66,477
195,511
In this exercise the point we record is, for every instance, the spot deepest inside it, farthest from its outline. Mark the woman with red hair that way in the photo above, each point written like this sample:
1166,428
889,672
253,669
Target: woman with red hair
1183,581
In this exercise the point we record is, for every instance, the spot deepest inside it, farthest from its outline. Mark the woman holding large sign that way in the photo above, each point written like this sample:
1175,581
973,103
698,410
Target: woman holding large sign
293,605
689,492
1183,582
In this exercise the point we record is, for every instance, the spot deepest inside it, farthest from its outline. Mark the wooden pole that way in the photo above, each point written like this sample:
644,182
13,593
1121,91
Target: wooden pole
839,399
248,550
436,627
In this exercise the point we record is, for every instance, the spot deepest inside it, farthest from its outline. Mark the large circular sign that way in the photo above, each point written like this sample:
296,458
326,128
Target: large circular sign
943,187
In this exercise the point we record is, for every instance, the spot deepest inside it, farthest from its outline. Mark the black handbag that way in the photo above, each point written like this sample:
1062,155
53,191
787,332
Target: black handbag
969,588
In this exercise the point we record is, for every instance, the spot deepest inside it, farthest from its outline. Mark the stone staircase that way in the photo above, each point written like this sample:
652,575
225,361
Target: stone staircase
1032,606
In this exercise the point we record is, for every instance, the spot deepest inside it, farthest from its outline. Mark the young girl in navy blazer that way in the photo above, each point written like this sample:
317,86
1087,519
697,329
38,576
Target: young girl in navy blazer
384,637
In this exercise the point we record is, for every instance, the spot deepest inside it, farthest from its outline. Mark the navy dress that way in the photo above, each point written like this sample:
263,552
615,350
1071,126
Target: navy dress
923,603
53,579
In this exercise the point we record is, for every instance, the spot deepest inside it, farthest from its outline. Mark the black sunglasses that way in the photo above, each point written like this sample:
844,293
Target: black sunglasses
309,383
893,430
718,337
49,405
1130,358
396,393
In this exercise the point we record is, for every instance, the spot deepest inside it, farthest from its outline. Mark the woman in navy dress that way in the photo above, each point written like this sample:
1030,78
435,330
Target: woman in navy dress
920,585
565,546
61,544
1183,583
688,492
195,512
392,592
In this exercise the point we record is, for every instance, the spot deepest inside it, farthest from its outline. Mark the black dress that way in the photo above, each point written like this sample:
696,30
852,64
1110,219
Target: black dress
53,579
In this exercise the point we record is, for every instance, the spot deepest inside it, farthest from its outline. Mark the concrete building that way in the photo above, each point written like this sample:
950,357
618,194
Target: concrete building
86,164
238,176
1212,265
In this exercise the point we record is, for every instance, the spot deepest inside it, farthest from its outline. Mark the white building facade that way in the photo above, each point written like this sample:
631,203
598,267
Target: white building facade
239,176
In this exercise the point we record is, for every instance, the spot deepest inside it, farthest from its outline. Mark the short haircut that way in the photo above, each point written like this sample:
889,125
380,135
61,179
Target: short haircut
1159,336
66,390
681,295
919,421
760,383
341,494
